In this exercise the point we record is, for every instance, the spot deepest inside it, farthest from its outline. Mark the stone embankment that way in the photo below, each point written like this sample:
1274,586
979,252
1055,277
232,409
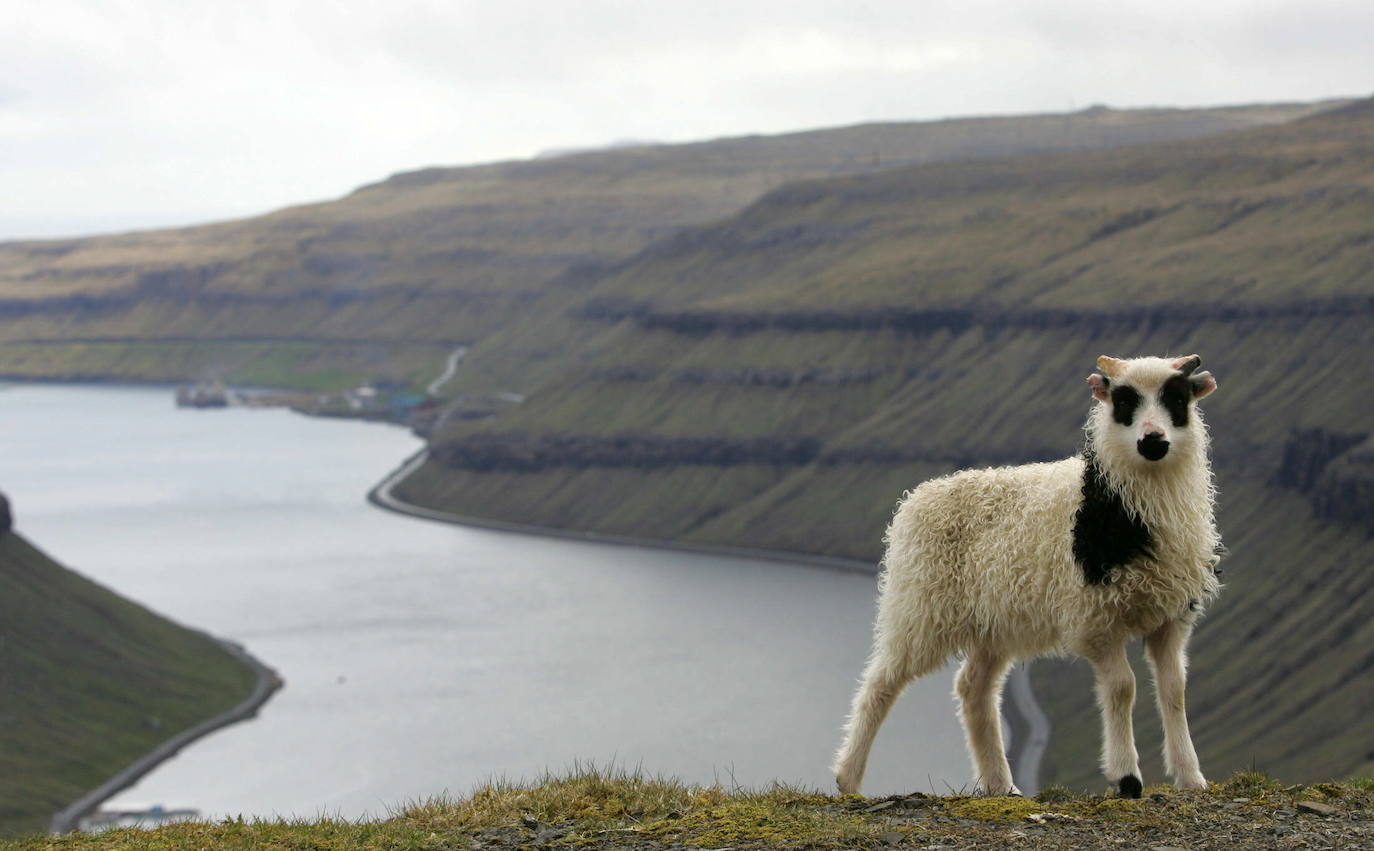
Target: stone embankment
267,683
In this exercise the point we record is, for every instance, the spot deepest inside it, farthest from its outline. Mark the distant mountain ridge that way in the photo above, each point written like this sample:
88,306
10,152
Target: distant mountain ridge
378,283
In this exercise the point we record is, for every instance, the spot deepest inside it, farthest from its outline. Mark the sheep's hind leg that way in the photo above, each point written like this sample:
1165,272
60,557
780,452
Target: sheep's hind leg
1168,658
979,689
1116,698
892,667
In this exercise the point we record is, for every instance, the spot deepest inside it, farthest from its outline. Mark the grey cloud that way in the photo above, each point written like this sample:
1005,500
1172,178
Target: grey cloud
187,106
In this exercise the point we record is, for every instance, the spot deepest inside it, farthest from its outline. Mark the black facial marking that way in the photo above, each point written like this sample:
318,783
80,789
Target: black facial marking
1175,396
1130,786
1124,402
1105,534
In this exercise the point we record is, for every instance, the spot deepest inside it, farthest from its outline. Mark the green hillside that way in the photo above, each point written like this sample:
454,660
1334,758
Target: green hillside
383,282
89,682
776,379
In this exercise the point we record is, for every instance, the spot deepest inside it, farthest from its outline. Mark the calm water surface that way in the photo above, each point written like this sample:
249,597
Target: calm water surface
420,657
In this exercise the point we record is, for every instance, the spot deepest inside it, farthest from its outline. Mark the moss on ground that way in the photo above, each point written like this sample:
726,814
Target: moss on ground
593,808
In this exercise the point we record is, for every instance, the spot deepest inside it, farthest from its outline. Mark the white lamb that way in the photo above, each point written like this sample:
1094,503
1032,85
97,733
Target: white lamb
1073,556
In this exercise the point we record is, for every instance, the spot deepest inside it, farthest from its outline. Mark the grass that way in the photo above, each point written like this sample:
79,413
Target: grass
603,802
591,807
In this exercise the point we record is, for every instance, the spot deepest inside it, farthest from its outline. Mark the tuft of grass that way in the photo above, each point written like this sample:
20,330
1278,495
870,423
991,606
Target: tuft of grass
780,816
995,809
1054,795
1251,784
1328,790
597,798
591,803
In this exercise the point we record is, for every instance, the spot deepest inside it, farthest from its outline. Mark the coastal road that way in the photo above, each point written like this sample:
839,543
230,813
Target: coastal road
267,683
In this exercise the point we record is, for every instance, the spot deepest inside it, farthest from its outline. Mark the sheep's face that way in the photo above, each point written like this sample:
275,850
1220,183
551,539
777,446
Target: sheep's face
1147,415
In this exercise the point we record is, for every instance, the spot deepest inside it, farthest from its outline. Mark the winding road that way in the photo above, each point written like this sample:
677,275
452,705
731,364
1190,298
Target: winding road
450,367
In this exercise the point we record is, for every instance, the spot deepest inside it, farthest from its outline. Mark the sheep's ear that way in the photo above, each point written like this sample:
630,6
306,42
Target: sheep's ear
1186,364
1203,384
1110,366
1101,386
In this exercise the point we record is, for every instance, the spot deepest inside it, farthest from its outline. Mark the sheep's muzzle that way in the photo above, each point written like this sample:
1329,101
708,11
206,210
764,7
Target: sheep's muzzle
1153,446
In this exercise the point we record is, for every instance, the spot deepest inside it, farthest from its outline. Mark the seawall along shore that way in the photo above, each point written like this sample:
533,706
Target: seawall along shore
267,684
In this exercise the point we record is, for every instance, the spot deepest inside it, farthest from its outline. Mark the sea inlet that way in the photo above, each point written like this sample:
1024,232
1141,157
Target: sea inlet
421,658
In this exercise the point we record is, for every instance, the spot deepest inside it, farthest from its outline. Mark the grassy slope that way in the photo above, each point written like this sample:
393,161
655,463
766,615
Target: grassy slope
449,255
90,681
609,810
1252,249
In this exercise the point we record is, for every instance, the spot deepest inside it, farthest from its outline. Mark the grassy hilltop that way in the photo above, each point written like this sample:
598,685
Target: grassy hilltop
592,809
89,682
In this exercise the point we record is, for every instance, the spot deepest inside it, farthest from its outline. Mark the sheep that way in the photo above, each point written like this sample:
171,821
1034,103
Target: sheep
1075,556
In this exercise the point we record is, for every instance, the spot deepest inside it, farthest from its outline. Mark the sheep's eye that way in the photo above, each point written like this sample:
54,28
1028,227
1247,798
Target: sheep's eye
1124,402
1174,396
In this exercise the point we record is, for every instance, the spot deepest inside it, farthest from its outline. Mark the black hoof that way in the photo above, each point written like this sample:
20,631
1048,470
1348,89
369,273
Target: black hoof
1130,786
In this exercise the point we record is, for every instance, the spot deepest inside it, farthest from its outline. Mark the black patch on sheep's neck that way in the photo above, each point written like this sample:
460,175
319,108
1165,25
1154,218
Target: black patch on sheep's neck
1105,535
1175,396
1125,400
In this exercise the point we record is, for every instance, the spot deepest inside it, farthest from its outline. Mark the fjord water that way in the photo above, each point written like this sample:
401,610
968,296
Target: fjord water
421,657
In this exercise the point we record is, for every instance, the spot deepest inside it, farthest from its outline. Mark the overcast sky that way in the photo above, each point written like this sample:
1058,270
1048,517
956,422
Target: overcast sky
119,114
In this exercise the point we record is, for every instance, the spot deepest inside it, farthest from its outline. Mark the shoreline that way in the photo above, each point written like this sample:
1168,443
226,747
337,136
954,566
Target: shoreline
268,682
382,496
1030,725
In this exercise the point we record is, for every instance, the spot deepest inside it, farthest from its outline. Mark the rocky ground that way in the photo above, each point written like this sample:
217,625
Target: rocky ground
600,810
1299,817
1244,813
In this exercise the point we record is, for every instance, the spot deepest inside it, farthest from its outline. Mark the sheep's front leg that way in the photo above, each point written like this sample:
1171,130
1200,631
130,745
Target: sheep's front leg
1167,651
979,687
1116,697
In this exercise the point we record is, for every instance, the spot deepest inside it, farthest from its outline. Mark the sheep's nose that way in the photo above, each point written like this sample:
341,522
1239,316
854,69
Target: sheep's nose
1153,446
